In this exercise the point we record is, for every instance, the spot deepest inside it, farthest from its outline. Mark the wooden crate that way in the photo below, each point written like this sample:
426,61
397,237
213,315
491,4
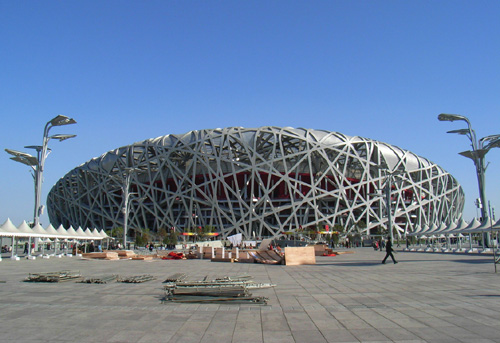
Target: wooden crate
295,256
107,255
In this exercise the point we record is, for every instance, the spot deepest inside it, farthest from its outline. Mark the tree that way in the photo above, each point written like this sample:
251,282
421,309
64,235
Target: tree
203,232
171,239
139,240
338,229
116,232
142,236
361,225
162,233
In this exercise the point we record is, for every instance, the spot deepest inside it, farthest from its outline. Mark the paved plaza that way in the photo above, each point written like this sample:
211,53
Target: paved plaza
426,297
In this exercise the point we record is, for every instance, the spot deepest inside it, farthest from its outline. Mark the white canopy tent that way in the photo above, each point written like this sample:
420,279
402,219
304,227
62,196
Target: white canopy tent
484,226
8,229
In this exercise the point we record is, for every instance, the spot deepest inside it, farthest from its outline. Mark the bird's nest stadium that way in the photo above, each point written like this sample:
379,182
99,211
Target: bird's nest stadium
264,182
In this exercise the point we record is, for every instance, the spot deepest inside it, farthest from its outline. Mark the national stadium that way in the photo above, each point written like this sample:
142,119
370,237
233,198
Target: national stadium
260,182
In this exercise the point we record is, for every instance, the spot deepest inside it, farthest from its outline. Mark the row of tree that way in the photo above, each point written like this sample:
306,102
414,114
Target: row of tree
170,237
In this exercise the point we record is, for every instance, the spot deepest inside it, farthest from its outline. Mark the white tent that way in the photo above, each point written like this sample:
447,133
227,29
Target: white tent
485,226
72,233
40,231
440,229
450,227
103,234
81,234
91,235
416,232
26,231
63,233
51,231
472,226
461,225
423,232
8,229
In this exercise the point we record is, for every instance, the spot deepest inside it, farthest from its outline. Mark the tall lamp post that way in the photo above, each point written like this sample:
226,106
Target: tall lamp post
388,201
479,150
126,201
37,163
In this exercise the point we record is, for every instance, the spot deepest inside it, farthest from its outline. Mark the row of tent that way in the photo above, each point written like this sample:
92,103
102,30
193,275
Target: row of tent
24,230
456,228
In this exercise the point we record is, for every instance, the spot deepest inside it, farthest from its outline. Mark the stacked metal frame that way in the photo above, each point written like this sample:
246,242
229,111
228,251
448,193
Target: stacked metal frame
261,182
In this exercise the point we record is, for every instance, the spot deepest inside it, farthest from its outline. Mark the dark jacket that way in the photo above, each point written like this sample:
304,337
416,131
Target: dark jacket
388,246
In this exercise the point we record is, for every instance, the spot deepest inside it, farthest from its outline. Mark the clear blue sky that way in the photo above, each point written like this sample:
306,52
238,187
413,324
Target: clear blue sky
132,70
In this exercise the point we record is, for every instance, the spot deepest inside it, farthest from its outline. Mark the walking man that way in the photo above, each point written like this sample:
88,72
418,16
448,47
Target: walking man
388,251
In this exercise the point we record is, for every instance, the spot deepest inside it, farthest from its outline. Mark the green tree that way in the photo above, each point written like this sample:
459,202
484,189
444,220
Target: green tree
203,233
361,225
139,241
116,232
171,238
142,236
338,230
162,233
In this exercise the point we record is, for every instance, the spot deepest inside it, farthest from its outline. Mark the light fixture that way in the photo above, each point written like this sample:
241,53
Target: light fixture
451,117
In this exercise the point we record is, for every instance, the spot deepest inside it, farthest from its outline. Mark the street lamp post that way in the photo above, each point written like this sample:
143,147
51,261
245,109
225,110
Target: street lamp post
388,201
479,150
126,201
37,163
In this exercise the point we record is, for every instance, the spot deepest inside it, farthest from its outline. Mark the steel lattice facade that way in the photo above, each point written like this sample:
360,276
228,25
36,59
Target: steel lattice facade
258,182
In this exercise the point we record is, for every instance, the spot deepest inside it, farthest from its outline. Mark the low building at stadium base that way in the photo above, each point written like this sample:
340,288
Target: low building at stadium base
260,182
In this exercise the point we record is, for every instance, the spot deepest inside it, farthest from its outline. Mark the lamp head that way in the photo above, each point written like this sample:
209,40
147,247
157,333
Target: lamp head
494,143
61,120
36,147
464,132
489,138
29,161
17,153
62,137
451,117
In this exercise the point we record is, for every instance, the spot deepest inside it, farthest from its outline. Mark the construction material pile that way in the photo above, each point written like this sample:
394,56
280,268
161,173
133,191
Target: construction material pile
105,255
64,275
136,278
177,277
100,279
267,257
219,290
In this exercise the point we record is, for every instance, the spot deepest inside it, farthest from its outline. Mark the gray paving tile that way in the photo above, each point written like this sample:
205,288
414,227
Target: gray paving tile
349,298
398,334
308,336
339,335
369,335
155,337
278,337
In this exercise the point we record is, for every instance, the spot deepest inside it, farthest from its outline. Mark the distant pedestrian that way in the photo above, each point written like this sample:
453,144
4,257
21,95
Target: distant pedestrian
388,251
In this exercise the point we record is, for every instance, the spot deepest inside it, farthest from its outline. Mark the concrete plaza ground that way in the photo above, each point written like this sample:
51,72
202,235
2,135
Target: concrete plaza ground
426,297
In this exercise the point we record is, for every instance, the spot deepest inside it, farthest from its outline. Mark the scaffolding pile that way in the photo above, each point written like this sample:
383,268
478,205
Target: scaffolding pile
175,278
136,278
100,279
61,276
218,290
